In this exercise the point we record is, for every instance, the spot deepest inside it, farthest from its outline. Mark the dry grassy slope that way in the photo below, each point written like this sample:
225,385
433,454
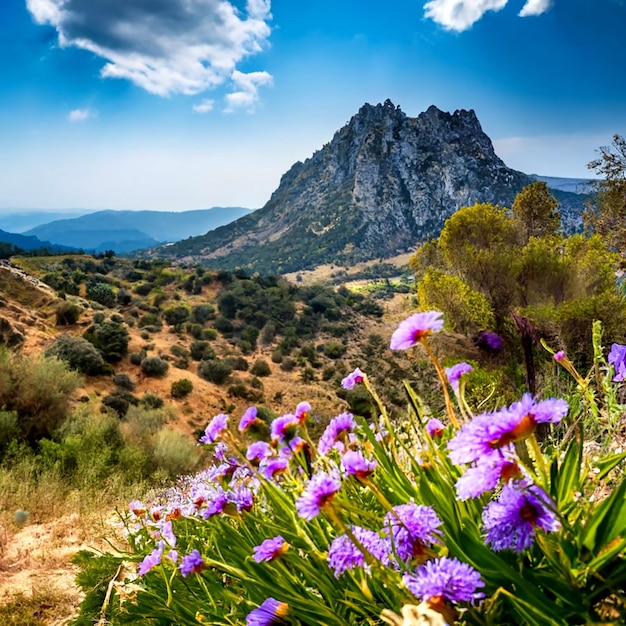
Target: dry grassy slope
28,305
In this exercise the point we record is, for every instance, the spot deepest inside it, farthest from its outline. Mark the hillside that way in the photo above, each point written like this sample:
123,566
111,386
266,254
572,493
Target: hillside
384,183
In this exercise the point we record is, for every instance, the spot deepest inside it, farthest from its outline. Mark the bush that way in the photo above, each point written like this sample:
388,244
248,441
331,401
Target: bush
123,381
260,368
237,363
181,388
202,313
152,400
174,453
201,350
149,319
119,401
137,357
67,313
154,366
78,353
214,371
334,350
111,338
176,315
101,293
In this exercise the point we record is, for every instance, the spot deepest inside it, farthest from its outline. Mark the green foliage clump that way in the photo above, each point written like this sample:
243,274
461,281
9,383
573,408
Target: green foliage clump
200,350
181,388
154,366
334,350
110,338
176,315
101,293
79,354
67,313
214,370
260,368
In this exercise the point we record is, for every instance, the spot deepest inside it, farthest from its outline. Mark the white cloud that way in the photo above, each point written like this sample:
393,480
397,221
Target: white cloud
80,115
247,93
204,107
534,7
163,46
460,15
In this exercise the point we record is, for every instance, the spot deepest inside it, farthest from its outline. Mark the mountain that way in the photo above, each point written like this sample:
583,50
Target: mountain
21,220
573,185
123,231
384,183
29,242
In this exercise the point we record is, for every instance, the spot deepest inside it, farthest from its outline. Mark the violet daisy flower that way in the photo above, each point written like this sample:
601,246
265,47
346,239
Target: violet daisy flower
270,549
412,530
617,358
152,560
303,410
559,356
247,418
270,466
216,505
258,451
270,613
490,341
215,427
337,428
434,427
354,463
352,379
284,428
414,328
242,497
318,492
510,521
192,564
455,372
486,473
445,579
343,554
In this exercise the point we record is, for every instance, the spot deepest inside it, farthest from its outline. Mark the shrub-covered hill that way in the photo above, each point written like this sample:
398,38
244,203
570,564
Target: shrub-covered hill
200,341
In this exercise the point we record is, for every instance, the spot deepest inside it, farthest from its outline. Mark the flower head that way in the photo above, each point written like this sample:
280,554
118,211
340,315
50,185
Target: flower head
559,356
270,549
270,466
284,428
411,528
352,379
214,428
192,564
271,612
343,554
303,410
247,418
511,520
414,328
434,427
354,463
319,491
617,358
445,579
338,427
455,372
487,472
489,341
258,451
152,560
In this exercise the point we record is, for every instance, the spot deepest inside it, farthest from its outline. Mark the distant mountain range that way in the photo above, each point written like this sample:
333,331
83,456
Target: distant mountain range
123,231
383,184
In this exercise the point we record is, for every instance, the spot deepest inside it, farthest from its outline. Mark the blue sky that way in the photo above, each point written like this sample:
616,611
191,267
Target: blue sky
183,104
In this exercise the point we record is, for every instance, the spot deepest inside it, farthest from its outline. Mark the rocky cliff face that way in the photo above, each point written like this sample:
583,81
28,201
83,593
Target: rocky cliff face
384,183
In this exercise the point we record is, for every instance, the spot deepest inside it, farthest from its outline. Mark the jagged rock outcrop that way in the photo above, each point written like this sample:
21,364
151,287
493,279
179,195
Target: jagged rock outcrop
383,184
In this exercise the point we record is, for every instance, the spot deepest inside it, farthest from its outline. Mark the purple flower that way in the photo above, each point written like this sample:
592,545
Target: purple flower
343,554
487,473
152,560
284,428
445,579
434,427
352,379
271,612
617,358
270,466
490,341
192,564
559,356
411,530
168,534
357,465
319,491
216,505
490,431
411,331
510,521
337,428
258,451
247,418
215,427
303,410
270,549
455,372
242,497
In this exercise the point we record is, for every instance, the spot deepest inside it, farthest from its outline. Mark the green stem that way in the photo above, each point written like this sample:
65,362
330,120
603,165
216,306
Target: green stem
541,463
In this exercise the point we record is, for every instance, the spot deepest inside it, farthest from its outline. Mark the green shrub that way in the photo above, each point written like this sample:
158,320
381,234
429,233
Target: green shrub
209,334
237,363
67,313
260,368
119,401
111,338
277,356
123,381
137,357
287,364
202,313
149,319
154,366
101,293
176,315
78,353
152,401
174,453
214,371
181,388
201,350
334,350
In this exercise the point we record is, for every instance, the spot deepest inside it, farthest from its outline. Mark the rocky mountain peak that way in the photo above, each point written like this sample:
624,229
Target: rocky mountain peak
384,183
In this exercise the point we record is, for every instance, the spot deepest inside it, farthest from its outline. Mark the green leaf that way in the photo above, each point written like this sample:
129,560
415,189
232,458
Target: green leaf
608,463
607,521
568,476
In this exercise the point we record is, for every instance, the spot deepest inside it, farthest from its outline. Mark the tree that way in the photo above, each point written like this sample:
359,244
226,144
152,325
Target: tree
536,209
606,210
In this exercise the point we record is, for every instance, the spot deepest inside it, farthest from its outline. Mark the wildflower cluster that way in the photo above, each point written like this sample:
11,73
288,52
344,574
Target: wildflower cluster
464,516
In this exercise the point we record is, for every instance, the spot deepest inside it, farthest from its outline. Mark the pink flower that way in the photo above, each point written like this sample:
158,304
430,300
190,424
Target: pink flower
352,379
